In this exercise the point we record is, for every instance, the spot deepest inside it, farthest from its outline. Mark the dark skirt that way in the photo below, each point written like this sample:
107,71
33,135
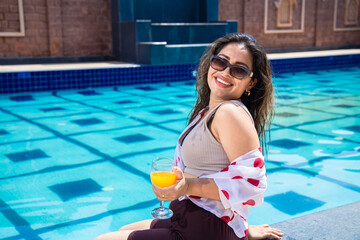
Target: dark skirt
189,222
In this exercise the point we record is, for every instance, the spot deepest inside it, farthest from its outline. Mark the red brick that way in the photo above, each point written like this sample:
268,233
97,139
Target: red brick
11,16
40,9
22,46
14,25
28,8
4,8
14,9
11,54
37,2
4,24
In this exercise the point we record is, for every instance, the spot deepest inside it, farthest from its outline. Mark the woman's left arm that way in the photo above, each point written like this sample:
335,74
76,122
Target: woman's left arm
233,128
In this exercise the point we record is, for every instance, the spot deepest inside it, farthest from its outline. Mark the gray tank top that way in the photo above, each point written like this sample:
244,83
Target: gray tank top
201,153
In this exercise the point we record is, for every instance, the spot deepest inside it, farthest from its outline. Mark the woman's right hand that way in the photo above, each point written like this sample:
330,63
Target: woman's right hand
175,191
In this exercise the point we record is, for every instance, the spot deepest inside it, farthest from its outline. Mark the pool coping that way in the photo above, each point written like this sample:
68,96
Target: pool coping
114,64
309,54
336,223
53,77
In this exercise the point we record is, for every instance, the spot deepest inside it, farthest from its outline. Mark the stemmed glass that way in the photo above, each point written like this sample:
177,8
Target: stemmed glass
162,176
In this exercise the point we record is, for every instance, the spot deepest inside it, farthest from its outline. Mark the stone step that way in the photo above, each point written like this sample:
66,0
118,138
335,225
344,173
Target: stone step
159,53
190,33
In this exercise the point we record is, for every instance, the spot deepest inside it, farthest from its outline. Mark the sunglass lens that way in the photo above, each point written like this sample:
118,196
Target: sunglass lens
238,72
218,64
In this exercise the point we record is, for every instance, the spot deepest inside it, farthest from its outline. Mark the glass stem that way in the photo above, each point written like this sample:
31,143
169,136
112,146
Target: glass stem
161,205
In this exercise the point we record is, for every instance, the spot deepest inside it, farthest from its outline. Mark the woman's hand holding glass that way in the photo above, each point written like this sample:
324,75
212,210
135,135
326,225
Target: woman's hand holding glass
175,191
168,184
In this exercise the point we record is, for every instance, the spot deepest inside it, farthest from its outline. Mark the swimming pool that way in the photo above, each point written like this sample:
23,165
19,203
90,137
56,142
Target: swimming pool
75,164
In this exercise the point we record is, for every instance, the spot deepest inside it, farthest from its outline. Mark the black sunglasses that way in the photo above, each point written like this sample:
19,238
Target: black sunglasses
236,71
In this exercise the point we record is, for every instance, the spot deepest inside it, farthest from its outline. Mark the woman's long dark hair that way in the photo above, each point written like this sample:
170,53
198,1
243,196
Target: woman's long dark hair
260,102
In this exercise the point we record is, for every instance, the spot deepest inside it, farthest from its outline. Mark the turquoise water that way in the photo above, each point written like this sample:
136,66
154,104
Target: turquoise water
75,164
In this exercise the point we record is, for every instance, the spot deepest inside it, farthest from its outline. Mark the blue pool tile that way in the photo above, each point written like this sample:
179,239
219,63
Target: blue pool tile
192,83
52,109
184,96
12,217
286,114
284,86
355,128
344,106
133,138
333,91
23,98
69,190
285,97
345,70
288,143
24,75
89,93
165,111
3,132
312,72
125,102
293,203
146,88
27,155
87,121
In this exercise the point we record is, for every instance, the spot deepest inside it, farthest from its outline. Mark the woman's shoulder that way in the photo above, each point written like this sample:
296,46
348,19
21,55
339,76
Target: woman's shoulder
233,111
234,129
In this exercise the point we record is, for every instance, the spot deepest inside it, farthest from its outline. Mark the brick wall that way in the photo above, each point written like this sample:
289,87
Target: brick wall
325,34
86,27
82,28
57,28
232,10
35,43
9,17
318,24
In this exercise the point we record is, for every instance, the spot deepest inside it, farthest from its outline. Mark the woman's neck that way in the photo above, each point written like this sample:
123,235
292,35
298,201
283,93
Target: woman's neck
214,102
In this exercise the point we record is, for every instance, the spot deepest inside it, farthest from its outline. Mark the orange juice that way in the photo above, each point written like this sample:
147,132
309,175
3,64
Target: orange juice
163,179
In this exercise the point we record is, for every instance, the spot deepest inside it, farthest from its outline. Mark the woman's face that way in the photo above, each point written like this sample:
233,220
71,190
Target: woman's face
222,85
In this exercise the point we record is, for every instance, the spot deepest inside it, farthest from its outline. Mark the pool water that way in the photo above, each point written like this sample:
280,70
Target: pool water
75,164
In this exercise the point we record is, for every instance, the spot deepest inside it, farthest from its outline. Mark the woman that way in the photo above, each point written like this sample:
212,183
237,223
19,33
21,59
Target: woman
220,168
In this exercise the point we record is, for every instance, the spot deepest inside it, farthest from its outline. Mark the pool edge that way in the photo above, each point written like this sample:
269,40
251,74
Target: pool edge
335,223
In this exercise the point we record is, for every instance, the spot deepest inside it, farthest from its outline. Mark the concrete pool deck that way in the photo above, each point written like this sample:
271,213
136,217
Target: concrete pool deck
336,223
103,65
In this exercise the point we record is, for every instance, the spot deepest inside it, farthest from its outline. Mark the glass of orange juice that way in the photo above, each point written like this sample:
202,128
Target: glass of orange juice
162,176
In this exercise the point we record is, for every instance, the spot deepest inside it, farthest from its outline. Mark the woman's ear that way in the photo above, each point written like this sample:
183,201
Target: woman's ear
252,83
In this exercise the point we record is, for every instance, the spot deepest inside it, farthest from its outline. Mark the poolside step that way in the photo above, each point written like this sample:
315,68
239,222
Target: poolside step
158,53
190,33
176,43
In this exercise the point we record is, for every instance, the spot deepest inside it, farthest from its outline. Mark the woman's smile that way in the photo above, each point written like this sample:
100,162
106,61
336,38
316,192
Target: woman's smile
222,82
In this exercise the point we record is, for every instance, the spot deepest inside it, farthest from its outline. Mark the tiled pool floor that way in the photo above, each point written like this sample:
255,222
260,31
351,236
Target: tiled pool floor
75,164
